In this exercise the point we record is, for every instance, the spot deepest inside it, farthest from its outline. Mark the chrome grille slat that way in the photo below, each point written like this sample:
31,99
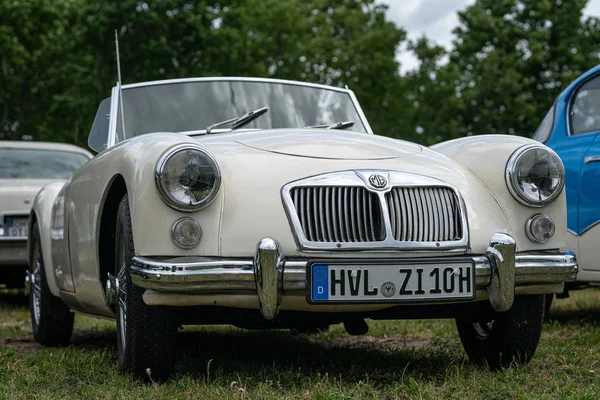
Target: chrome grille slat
340,205
353,214
365,209
339,214
372,222
393,217
450,216
415,219
334,215
424,214
436,213
406,217
321,218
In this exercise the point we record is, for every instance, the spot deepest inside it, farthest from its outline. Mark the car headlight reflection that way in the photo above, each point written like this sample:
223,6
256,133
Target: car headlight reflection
187,177
535,175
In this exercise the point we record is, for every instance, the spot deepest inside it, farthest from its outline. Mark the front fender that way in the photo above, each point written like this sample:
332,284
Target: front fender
133,161
42,213
486,157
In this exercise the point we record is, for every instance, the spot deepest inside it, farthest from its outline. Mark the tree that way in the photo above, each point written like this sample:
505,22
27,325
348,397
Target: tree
340,42
436,110
514,57
41,71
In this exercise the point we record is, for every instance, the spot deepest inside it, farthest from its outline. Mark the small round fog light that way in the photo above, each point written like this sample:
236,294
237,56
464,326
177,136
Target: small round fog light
186,233
539,228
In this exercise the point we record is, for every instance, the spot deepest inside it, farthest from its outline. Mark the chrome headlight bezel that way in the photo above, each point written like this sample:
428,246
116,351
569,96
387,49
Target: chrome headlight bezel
512,177
164,192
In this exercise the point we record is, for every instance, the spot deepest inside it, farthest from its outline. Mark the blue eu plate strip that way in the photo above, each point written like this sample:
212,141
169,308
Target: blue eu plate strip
320,282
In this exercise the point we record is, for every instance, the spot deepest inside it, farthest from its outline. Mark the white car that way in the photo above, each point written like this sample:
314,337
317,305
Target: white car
25,167
271,204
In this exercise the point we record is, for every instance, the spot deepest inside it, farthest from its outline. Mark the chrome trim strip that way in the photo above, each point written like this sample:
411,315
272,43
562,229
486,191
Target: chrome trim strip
112,122
361,113
355,178
587,228
232,79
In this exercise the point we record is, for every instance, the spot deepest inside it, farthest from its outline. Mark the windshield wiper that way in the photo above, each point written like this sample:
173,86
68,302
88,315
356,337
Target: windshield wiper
238,122
336,125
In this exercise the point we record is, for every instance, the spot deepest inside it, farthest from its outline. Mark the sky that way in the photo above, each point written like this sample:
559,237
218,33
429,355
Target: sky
436,19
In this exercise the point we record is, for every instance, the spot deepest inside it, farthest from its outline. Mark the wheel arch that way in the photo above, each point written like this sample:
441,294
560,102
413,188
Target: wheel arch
107,224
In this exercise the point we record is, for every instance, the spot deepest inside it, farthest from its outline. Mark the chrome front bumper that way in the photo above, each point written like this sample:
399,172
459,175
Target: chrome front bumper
500,272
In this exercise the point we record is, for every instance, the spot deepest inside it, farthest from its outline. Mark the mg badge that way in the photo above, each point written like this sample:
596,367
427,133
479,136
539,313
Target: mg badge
388,289
377,181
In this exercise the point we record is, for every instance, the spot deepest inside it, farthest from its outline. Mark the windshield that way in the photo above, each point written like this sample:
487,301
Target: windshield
193,106
542,133
39,163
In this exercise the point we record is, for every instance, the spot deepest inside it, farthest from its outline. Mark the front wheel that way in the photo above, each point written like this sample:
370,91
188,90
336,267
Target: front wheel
506,338
146,335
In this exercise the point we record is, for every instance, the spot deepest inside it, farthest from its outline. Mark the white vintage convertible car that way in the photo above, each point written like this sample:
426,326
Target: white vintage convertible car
25,167
271,204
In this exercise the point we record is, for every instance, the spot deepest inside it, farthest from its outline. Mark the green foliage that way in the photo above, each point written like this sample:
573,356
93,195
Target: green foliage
40,69
514,56
508,62
332,42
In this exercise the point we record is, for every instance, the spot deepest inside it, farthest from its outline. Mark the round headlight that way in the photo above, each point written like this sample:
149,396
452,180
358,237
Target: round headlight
187,177
535,175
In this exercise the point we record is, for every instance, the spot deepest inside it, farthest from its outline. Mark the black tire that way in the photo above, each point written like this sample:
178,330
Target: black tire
146,337
51,319
510,338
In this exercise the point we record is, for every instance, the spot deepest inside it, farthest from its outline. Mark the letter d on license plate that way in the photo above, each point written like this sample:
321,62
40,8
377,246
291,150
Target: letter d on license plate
392,282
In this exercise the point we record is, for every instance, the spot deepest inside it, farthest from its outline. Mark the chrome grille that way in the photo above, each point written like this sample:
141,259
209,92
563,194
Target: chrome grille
338,214
424,214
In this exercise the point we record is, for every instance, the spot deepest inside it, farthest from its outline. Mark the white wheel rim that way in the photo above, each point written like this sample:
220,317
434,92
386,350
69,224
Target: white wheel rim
121,284
36,288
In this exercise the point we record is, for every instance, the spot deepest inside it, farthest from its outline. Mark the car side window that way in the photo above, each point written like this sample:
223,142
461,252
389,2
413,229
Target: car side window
585,108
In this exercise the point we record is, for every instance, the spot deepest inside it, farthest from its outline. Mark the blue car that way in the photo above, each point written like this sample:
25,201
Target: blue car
572,129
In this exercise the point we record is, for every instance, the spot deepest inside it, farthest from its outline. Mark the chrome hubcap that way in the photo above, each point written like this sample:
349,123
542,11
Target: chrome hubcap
35,287
121,294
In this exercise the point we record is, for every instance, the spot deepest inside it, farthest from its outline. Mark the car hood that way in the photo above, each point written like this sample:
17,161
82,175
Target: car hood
17,195
327,144
256,165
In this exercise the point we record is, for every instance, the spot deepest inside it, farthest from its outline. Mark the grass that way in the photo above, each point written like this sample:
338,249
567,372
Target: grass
397,360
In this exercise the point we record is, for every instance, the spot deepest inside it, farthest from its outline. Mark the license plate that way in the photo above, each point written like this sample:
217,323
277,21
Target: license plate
394,282
17,227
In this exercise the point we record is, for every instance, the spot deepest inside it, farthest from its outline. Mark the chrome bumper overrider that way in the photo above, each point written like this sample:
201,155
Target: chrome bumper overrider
269,275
